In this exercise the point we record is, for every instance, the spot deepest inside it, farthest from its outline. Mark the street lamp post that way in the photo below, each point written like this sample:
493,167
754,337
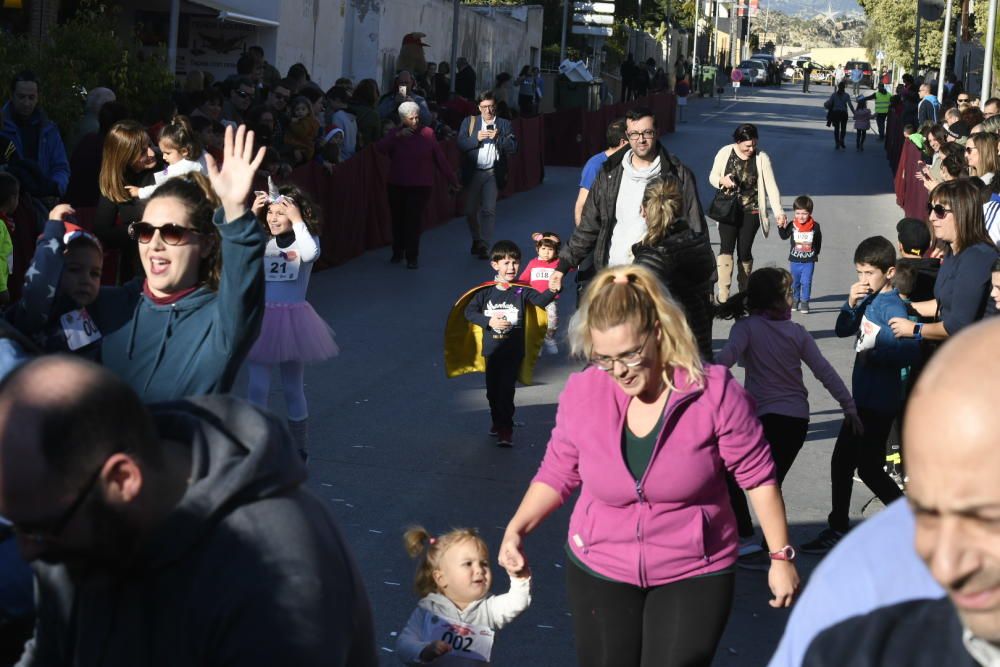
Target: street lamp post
944,51
991,31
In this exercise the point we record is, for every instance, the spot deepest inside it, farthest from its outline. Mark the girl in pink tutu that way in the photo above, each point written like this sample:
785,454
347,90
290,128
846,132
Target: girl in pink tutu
292,334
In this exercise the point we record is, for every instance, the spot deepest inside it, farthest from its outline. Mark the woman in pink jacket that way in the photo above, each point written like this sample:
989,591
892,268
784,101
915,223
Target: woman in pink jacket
647,433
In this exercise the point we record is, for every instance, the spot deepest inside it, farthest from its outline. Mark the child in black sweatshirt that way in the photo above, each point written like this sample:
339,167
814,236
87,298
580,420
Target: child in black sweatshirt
500,311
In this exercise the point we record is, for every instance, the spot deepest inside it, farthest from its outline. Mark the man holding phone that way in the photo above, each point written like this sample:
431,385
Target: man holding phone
485,141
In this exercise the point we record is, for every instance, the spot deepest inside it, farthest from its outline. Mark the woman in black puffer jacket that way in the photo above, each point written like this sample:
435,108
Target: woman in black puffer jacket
679,257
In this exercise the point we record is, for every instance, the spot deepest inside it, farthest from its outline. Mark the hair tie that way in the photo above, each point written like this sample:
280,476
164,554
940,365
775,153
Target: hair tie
432,541
621,279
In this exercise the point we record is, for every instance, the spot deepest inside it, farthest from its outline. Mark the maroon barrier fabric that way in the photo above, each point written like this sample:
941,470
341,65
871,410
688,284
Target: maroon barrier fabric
573,135
353,198
894,137
911,194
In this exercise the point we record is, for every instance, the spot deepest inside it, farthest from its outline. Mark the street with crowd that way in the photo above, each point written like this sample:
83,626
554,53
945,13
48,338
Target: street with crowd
651,476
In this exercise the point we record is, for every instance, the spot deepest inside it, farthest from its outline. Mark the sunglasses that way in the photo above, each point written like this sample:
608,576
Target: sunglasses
170,233
938,210
242,93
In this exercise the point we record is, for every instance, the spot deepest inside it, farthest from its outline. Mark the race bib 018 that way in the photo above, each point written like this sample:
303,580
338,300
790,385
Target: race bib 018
279,268
474,642
541,273
79,329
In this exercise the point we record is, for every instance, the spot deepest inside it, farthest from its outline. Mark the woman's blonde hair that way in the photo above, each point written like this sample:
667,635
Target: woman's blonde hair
662,204
126,142
987,145
633,295
430,550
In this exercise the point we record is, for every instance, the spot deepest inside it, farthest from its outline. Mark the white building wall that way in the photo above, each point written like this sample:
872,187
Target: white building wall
492,40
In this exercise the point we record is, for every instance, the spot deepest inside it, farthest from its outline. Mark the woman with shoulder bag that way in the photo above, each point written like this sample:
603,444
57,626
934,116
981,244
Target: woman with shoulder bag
837,106
740,166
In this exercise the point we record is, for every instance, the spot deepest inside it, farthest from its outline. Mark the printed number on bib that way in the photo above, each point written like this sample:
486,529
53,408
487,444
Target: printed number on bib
474,642
803,241
867,335
541,273
278,268
79,329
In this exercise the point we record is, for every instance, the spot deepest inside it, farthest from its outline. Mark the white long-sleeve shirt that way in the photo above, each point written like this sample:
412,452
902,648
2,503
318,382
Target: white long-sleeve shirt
287,280
493,612
176,169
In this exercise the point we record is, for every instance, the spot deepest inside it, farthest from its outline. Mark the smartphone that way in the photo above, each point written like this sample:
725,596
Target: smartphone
402,91
491,127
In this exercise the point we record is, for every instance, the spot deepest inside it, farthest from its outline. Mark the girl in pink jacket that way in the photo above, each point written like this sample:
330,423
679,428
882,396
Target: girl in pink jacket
646,434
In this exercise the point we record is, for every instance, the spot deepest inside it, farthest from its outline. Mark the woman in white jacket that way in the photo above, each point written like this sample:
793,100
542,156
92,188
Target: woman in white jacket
740,165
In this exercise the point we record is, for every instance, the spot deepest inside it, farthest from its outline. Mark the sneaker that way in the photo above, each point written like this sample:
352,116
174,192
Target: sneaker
825,541
550,346
759,561
804,307
505,437
493,430
795,305
749,545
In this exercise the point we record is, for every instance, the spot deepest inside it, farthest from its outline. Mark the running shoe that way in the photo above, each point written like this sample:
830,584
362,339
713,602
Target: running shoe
804,307
825,541
759,561
505,437
493,430
550,346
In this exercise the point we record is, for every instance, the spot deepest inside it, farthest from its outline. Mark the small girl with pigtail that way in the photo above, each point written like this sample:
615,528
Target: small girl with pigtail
456,619
537,274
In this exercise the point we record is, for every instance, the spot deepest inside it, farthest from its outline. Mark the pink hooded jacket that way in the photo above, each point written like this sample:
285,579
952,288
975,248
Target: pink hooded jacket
676,522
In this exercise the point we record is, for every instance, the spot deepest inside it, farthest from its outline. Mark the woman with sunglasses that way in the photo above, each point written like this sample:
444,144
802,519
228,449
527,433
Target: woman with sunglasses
647,433
128,160
962,287
185,328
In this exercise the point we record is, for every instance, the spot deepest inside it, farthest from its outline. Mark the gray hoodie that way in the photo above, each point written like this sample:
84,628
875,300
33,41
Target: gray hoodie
250,568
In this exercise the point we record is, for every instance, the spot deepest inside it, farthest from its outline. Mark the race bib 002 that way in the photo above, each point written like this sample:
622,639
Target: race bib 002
279,268
79,329
474,642
867,334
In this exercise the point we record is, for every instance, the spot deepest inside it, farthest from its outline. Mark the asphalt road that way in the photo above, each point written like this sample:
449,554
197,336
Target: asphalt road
394,442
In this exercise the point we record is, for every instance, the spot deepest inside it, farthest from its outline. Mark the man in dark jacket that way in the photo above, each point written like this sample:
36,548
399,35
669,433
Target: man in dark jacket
600,231
44,168
953,465
465,79
177,535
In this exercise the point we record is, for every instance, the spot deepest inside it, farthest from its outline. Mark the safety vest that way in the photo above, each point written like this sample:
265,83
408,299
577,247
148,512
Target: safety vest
882,102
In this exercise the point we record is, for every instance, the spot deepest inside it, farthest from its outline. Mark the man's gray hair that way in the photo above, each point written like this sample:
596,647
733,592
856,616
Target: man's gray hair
408,108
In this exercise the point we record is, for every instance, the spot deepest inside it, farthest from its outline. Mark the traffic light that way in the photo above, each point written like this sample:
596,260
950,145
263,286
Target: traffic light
930,10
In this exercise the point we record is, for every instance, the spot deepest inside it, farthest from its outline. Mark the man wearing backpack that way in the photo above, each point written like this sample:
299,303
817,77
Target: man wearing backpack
485,141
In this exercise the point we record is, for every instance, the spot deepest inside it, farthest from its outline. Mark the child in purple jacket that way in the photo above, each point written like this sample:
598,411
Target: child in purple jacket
772,348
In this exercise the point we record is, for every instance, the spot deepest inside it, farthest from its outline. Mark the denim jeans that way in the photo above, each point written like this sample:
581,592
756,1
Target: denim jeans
802,280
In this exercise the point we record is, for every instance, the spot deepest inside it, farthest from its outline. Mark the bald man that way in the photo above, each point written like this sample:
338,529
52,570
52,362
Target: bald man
953,460
177,535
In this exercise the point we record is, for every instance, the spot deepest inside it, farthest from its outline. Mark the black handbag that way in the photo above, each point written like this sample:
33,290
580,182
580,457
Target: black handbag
725,207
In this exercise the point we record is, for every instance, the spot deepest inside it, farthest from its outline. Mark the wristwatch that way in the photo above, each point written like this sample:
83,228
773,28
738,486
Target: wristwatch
916,331
784,553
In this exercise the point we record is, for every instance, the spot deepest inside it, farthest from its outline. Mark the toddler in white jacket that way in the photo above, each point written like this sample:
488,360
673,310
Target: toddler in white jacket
456,619
182,151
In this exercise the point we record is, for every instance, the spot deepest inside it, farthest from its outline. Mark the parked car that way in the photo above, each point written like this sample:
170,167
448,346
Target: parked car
754,72
866,70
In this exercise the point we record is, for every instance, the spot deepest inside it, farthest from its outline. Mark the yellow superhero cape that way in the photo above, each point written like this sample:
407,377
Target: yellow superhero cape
463,340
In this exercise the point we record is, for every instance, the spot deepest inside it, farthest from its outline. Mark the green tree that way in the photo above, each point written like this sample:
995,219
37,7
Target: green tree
83,53
892,26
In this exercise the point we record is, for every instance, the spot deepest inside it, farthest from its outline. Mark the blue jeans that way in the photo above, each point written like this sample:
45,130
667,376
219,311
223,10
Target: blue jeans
802,280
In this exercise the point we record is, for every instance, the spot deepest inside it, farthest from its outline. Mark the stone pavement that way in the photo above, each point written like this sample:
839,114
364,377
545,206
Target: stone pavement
394,442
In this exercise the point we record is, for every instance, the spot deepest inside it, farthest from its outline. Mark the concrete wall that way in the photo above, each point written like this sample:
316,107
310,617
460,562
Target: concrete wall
493,40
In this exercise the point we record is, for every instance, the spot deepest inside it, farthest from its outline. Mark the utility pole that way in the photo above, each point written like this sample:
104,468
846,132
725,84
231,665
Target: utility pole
944,51
916,46
991,32
454,42
562,45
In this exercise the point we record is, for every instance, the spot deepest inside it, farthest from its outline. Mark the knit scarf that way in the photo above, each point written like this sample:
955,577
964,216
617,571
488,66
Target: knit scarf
807,226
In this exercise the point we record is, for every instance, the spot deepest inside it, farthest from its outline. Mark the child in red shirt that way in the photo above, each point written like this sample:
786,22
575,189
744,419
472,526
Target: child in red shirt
537,273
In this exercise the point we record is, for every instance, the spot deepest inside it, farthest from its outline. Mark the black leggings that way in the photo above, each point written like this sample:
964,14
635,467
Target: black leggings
739,237
861,137
785,435
839,121
620,625
406,206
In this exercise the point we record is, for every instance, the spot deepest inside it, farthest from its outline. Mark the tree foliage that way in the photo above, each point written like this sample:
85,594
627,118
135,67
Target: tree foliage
892,28
84,53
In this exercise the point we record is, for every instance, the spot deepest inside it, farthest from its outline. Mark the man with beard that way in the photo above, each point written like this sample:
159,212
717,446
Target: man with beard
953,462
181,534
